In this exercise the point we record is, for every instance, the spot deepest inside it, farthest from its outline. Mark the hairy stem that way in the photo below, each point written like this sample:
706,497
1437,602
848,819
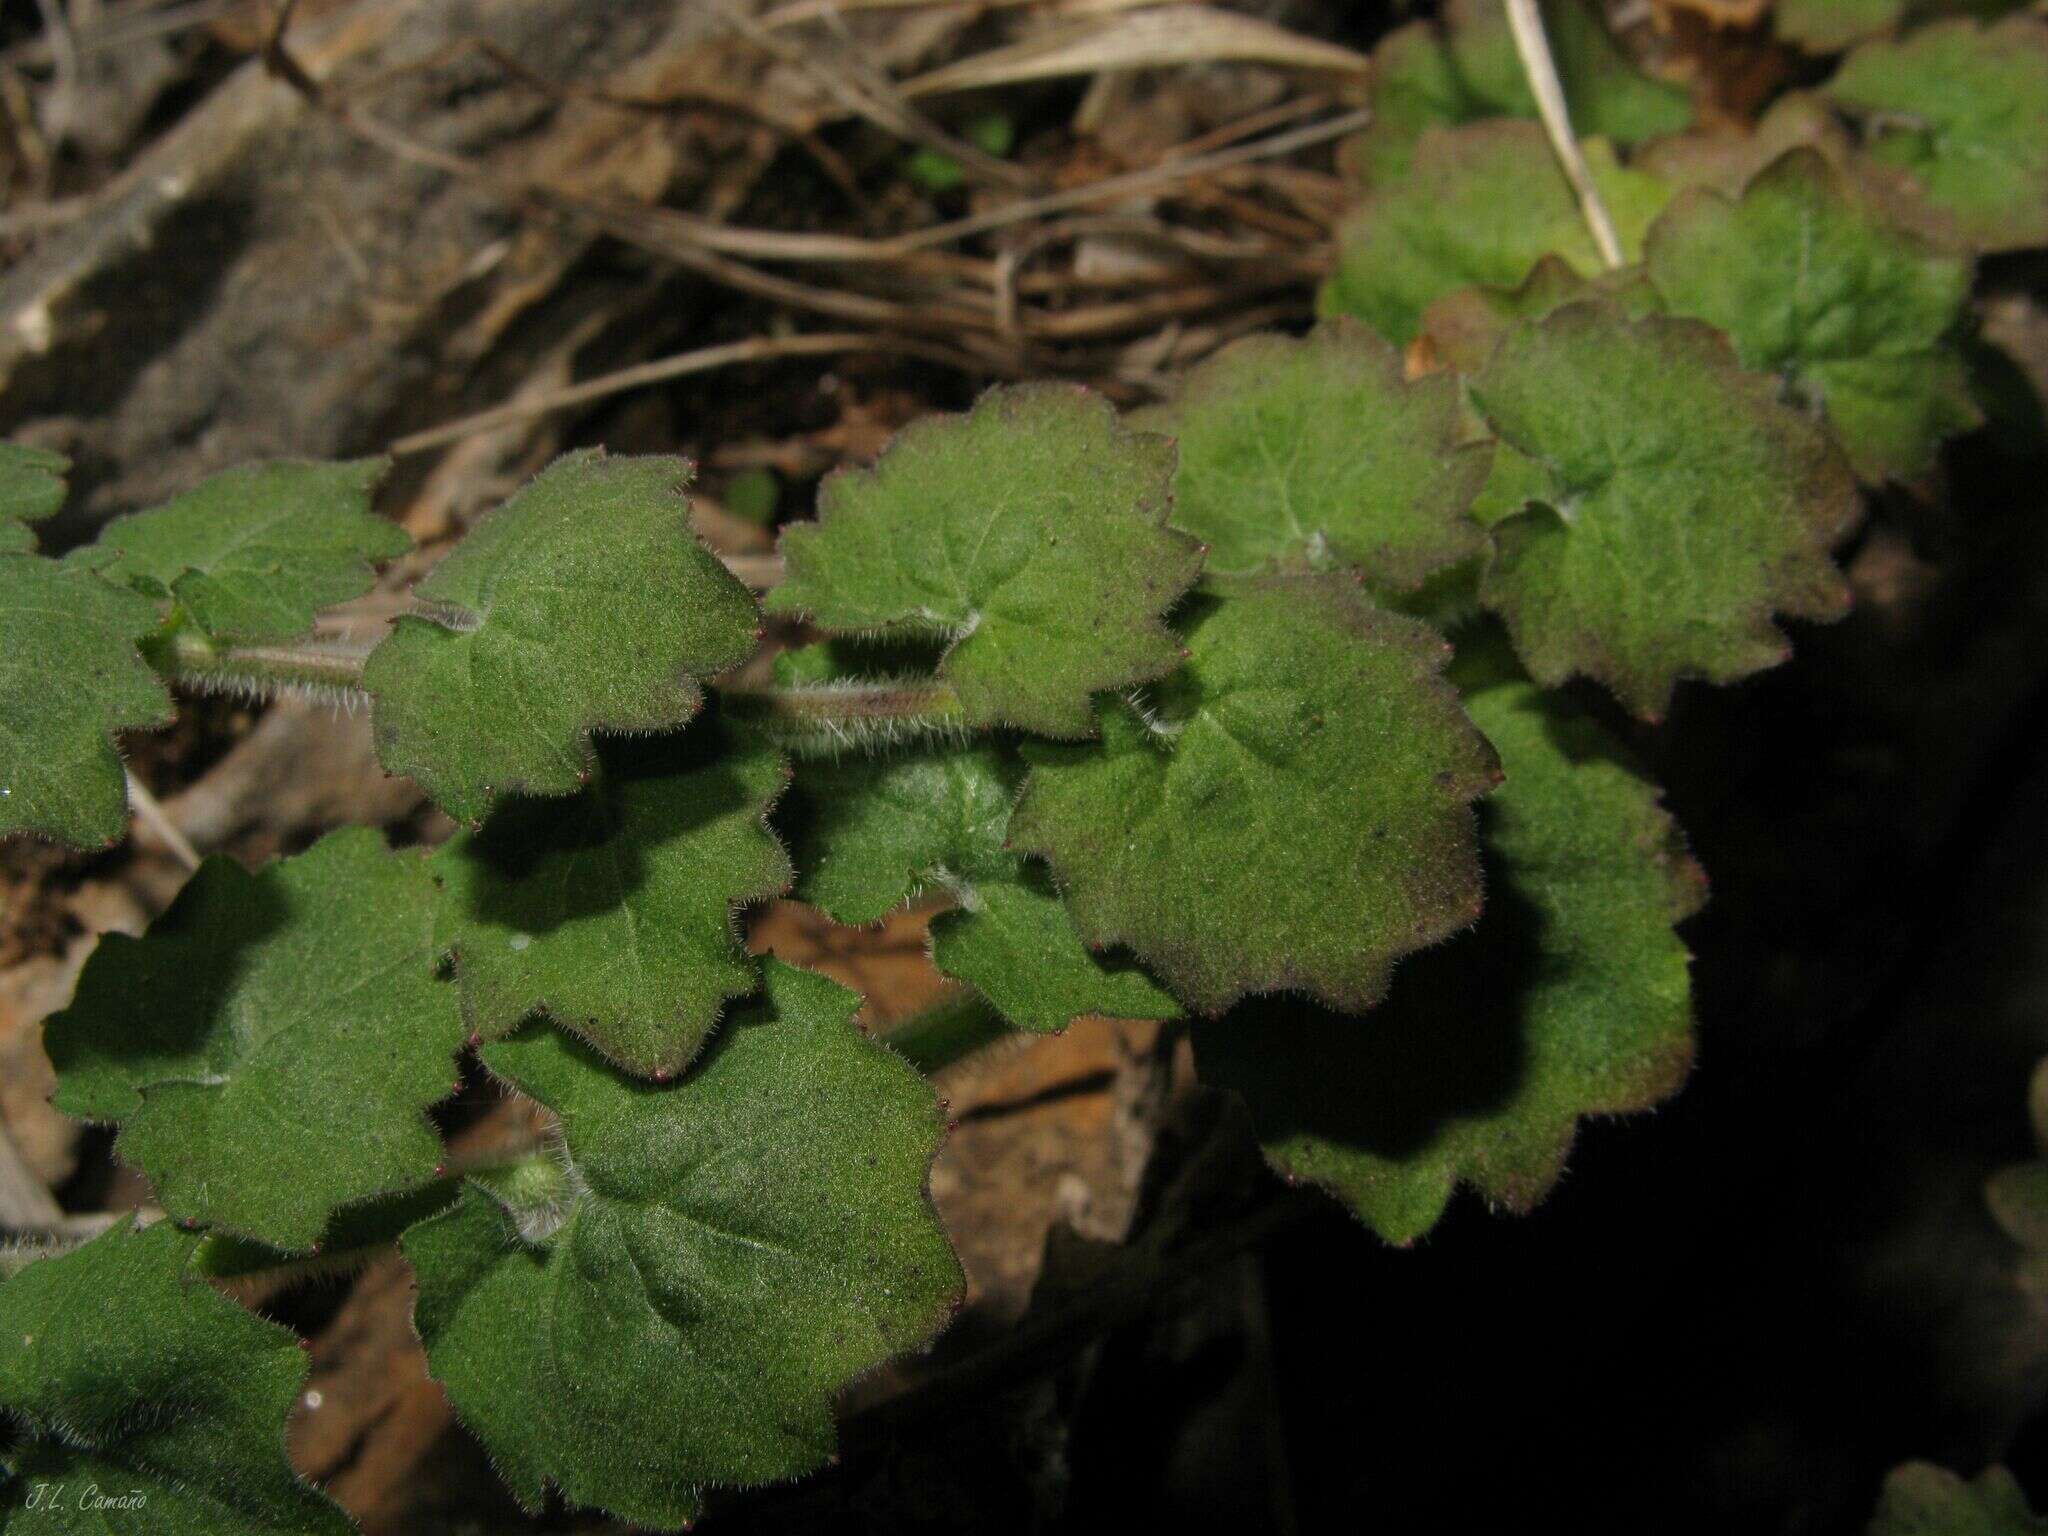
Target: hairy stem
830,718
264,671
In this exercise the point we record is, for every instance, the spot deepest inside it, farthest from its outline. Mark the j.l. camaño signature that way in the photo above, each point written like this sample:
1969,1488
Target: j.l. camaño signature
56,1496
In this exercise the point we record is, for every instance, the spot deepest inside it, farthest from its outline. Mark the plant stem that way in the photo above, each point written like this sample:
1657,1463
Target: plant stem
265,670
813,718
829,718
955,1027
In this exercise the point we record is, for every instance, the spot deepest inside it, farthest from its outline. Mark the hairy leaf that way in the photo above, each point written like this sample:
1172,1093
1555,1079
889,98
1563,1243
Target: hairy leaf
1921,1499
253,553
1465,68
1483,204
873,832
1290,811
1682,505
583,604
1462,328
270,1046
70,676
1029,534
1814,285
31,490
1312,453
1726,158
131,1378
614,913
1569,999
736,1247
1959,107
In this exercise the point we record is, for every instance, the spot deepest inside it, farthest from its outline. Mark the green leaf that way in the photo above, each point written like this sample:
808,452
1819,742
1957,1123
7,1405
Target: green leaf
1682,505
70,676
1030,535
1921,1499
131,1378
614,913
871,833
270,1046
31,490
253,553
1959,108
1313,453
1465,68
1829,26
1814,285
1483,204
1289,811
1569,999
736,1247
583,604
1463,328
1725,158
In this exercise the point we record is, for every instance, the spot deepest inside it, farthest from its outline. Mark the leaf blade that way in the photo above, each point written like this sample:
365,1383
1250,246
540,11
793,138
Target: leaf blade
614,914
741,1243
583,604
1030,533
131,1370
252,553
1310,737
303,996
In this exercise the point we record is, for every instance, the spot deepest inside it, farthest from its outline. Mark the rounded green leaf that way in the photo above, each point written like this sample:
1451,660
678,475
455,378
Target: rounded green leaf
1960,108
1569,999
1678,505
872,833
253,553
613,913
1483,204
31,490
270,1047
734,1248
1814,285
583,604
132,1379
1029,535
70,677
1317,453
1292,810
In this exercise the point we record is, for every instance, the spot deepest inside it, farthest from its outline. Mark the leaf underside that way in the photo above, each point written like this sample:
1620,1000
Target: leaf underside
1316,454
1570,998
1029,535
253,553
1678,505
130,1376
270,1047
1815,286
70,677
1289,811
614,912
870,834
741,1244
583,604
